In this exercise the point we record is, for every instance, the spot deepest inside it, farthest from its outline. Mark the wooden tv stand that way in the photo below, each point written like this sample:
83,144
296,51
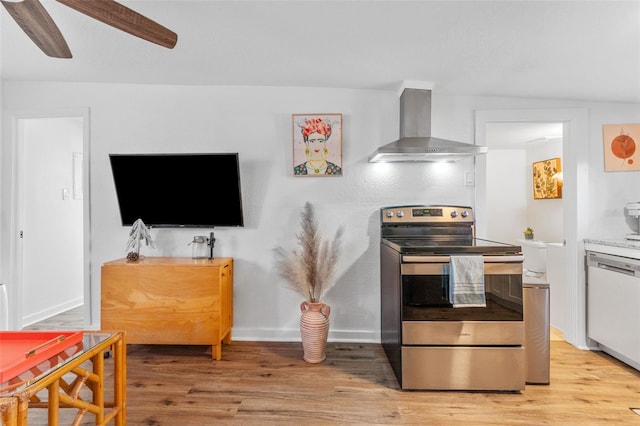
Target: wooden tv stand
169,300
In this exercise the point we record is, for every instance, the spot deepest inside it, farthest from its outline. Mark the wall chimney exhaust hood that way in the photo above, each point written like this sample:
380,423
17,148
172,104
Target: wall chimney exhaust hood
415,143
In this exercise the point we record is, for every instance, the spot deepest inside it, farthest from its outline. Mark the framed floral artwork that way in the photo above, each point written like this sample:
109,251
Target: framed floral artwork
317,144
547,179
621,149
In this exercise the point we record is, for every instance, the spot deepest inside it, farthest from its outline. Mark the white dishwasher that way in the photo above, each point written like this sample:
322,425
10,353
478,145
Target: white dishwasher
613,305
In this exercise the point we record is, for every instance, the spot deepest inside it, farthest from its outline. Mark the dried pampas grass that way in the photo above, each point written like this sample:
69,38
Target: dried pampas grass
310,271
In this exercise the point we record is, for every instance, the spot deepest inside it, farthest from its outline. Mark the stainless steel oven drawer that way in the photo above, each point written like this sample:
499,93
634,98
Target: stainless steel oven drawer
463,368
463,333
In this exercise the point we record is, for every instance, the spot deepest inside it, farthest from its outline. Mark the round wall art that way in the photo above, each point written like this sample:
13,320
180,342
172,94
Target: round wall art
621,147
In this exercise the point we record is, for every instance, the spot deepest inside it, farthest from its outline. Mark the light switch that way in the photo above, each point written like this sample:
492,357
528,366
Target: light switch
469,178
65,194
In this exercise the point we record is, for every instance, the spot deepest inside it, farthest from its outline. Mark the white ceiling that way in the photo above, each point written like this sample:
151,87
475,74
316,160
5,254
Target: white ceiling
582,50
520,135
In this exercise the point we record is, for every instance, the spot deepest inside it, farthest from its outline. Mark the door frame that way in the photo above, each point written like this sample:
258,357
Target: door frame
575,184
15,260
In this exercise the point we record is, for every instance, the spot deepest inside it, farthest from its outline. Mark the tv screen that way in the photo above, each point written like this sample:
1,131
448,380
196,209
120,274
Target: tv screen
178,190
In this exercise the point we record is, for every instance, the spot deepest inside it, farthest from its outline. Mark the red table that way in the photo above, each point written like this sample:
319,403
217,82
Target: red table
22,353
35,361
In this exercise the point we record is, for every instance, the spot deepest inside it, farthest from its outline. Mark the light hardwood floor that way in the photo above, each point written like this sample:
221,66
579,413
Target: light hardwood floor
268,383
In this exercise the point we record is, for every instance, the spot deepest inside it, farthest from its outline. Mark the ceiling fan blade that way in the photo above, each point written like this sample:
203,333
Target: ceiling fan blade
34,20
121,17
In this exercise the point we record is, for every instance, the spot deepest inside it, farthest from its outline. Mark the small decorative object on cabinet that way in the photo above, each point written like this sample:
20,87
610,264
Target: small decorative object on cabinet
528,234
169,300
311,272
137,233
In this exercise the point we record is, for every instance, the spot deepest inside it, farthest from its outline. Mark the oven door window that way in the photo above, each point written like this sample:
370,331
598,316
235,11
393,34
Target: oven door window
425,294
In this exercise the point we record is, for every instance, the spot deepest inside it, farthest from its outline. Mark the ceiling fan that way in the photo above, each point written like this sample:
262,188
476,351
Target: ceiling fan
36,22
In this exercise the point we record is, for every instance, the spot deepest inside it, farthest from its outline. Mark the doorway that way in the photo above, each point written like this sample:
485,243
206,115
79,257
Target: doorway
512,207
575,178
50,255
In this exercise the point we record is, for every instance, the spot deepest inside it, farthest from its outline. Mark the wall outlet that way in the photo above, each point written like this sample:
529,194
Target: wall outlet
469,178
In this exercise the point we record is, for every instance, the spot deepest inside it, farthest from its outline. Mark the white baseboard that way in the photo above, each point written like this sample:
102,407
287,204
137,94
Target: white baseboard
52,311
293,335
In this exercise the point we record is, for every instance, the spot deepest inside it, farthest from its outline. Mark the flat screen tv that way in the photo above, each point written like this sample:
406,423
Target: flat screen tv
178,190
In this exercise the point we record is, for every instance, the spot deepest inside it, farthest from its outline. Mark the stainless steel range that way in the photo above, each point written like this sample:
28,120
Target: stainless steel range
432,340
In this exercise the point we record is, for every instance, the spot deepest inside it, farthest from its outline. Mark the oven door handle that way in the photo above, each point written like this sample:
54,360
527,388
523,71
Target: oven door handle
445,259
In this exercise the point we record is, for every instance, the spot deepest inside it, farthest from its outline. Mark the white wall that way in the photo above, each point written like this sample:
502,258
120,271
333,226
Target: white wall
611,190
52,245
256,122
4,294
506,194
511,208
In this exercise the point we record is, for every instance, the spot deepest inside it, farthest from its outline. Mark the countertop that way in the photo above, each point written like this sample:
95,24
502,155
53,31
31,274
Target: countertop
539,243
620,247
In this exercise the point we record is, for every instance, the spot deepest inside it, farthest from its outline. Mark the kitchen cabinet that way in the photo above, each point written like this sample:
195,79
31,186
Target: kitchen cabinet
613,305
169,300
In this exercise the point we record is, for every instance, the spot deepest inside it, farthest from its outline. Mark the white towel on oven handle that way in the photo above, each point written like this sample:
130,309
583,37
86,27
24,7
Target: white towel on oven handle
466,281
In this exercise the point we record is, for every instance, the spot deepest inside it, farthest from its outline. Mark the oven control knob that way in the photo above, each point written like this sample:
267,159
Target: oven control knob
464,213
454,213
389,213
400,213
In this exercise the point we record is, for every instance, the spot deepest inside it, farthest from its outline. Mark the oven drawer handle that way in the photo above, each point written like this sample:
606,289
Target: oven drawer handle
501,259
445,259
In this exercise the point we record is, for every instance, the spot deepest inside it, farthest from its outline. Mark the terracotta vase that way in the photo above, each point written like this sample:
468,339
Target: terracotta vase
314,330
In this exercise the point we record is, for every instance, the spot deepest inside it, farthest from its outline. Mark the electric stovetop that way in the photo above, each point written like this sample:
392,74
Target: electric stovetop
470,246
